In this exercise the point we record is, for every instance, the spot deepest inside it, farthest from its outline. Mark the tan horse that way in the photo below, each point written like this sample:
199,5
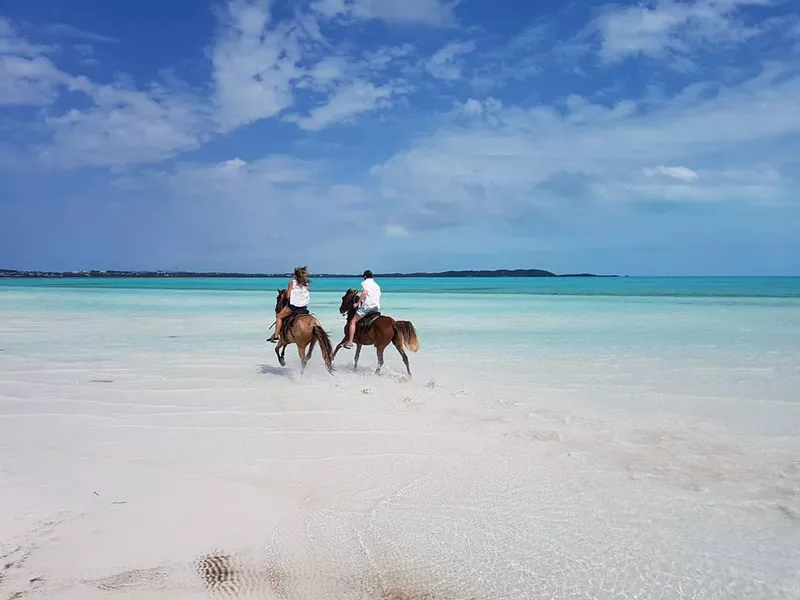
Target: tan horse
306,331
383,331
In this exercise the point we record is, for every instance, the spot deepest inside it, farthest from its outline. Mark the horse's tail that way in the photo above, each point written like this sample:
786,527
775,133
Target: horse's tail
407,332
319,335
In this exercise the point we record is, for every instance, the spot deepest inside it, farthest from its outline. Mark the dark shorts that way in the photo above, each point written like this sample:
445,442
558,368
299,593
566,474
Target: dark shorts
294,308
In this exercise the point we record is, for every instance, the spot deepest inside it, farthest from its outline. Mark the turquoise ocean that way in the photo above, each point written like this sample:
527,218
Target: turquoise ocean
725,337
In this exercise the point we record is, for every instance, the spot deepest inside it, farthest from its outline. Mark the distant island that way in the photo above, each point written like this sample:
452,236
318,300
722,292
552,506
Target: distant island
10,273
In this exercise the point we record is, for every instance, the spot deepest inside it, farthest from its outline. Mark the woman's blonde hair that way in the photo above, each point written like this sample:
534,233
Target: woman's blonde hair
301,275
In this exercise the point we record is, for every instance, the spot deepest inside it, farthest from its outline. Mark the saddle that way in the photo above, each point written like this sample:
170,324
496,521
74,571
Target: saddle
366,322
288,322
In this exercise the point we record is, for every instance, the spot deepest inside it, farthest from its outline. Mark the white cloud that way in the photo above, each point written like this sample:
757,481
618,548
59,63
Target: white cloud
472,108
755,186
239,178
345,103
487,110
12,43
434,13
528,157
348,195
385,56
670,26
231,211
121,126
249,206
28,76
328,72
233,180
259,65
396,231
264,68
681,173
255,64
444,63
30,81
70,31
125,126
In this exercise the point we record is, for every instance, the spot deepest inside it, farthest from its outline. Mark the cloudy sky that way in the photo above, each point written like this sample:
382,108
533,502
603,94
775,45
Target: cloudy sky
654,138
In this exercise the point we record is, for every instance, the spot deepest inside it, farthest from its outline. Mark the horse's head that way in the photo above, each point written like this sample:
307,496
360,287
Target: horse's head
281,301
348,300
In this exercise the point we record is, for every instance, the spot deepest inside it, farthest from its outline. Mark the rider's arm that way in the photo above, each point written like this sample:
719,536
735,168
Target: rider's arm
362,297
289,289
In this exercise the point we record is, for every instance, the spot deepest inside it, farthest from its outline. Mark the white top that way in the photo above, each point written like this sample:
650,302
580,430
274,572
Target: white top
373,299
300,295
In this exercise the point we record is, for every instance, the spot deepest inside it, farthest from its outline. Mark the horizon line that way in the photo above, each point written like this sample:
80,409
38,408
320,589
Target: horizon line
524,272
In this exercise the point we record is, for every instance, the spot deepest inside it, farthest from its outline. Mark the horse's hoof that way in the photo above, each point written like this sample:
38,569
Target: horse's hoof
282,362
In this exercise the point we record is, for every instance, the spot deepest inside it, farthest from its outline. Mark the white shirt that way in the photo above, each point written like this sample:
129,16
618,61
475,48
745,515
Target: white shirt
300,295
373,299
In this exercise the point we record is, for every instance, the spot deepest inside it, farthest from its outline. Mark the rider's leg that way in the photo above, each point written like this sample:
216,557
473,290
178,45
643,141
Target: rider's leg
352,332
285,312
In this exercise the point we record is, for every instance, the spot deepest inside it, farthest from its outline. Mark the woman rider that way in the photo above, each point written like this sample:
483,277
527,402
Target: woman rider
299,297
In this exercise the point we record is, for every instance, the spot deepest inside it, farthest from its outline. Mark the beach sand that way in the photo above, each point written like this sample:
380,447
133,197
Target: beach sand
195,467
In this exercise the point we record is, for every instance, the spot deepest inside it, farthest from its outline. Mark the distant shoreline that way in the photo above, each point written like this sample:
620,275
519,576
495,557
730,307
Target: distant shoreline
106,274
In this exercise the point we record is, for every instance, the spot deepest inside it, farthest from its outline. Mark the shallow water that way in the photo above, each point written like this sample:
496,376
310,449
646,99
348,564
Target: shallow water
569,438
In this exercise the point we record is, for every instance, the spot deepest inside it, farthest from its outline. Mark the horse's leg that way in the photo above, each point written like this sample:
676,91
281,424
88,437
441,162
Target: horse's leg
358,353
381,348
284,344
313,340
278,349
398,343
338,347
301,350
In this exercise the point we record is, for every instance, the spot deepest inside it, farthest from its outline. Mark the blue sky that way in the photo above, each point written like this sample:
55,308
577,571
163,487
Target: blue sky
654,138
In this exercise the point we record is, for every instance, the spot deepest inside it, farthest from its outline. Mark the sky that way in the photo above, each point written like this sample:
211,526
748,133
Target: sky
639,138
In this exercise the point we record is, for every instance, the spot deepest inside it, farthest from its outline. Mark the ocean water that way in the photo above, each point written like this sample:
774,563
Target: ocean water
721,337
561,438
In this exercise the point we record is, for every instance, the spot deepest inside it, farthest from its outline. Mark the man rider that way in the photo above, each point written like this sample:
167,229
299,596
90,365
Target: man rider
368,302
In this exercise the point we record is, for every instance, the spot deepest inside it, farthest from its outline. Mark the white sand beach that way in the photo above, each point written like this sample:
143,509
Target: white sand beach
193,466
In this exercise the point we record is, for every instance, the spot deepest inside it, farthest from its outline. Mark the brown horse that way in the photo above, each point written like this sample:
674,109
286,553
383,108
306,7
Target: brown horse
380,333
305,330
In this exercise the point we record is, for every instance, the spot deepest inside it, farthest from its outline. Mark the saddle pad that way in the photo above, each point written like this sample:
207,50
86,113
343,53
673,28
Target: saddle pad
289,321
366,322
